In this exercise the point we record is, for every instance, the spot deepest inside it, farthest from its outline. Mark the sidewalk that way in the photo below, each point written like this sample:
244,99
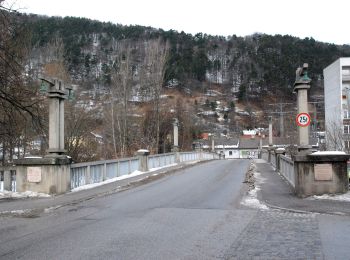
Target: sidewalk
36,206
277,193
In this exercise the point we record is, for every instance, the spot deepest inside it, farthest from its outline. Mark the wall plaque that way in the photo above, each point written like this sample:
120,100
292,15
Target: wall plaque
34,174
323,172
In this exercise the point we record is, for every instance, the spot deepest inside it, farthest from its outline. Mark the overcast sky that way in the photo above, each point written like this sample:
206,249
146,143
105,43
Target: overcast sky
326,21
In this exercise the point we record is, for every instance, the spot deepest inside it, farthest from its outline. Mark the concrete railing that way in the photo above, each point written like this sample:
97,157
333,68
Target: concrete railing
286,168
273,160
265,155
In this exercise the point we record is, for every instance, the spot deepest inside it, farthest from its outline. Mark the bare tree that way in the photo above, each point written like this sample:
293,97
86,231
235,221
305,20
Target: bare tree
17,100
334,136
13,42
122,83
156,53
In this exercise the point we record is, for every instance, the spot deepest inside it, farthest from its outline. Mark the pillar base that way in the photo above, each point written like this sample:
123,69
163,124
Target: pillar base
175,149
44,175
320,174
142,154
304,149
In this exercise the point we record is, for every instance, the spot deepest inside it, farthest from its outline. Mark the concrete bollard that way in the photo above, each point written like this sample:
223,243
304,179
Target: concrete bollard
143,160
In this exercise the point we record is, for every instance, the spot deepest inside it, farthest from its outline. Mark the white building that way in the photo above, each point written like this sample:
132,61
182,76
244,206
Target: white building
337,104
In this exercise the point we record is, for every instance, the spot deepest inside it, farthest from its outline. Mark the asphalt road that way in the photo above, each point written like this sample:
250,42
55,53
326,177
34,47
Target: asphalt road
194,213
190,215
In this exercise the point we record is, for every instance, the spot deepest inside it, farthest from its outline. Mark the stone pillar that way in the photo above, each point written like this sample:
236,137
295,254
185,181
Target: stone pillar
57,95
176,135
143,160
270,132
301,87
50,174
212,144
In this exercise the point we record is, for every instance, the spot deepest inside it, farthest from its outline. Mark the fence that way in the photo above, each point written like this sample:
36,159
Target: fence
161,160
94,172
98,171
287,169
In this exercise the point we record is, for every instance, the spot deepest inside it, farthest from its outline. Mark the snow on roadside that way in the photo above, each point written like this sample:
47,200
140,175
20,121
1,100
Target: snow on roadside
340,197
31,194
20,195
254,179
251,200
126,176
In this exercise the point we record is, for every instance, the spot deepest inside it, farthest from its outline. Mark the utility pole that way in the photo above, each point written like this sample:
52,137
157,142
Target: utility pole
281,114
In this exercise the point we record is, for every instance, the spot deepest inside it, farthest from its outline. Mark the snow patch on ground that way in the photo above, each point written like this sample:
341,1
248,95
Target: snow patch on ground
340,197
251,198
329,153
20,195
259,161
133,174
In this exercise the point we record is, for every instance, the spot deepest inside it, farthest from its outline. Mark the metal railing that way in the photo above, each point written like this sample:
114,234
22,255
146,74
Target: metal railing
98,171
189,156
161,160
94,172
287,169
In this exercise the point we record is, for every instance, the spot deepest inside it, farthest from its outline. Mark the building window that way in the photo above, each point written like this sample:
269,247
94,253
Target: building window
346,129
347,144
346,114
230,153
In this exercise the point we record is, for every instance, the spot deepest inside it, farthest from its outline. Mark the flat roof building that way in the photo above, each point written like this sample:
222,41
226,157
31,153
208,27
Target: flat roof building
337,104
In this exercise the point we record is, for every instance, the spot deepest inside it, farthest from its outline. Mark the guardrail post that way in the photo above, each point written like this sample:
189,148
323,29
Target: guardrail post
104,172
88,175
177,157
7,180
143,160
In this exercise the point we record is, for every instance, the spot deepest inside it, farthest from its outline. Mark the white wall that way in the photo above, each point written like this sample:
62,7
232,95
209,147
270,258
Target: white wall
333,95
235,154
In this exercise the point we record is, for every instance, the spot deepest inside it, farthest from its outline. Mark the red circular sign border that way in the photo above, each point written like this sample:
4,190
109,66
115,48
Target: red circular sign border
307,114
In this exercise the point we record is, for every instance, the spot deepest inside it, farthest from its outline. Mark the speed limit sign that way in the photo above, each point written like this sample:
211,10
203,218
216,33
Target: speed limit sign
303,119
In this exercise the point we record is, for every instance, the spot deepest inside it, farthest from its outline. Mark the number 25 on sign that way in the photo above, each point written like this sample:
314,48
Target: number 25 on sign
303,119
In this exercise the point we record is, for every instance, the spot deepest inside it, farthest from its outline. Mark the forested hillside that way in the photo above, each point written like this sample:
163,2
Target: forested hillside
254,64
130,83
